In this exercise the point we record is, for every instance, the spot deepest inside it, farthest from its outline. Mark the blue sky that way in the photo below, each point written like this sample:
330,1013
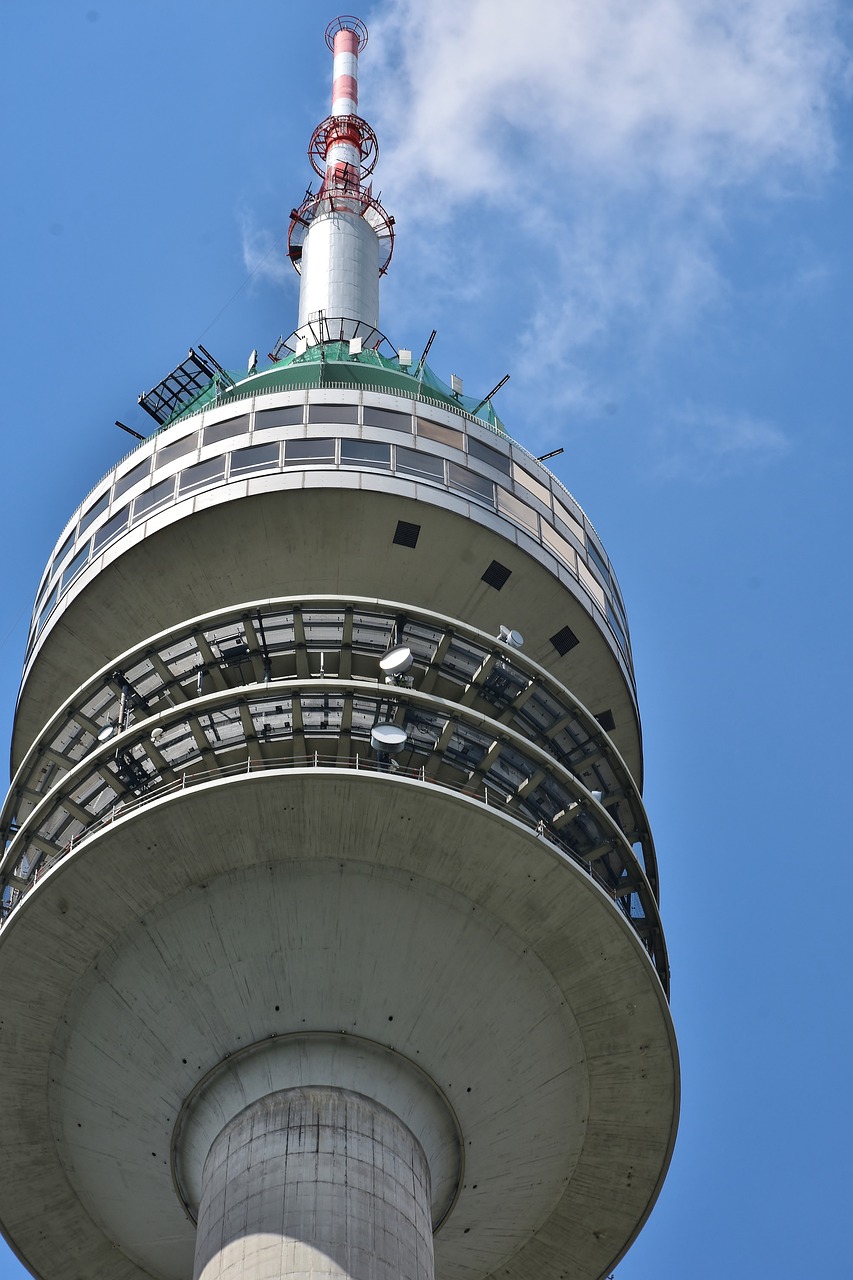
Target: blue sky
641,211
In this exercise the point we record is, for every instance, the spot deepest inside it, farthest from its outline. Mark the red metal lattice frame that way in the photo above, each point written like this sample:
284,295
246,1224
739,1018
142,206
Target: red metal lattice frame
351,129
341,200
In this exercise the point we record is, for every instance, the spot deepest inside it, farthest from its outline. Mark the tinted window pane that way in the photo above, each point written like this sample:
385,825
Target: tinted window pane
94,511
226,430
114,526
333,413
133,477
365,453
74,567
597,560
532,485
411,462
435,431
288,416
617,627
48,605
486,454
297,452
462,478
517,511
160,493
187,444
387,418
64,549
258,457
201,473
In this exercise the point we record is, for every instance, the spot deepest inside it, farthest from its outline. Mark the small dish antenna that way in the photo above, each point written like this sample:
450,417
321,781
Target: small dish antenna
106,733
396,661
388,738
514,639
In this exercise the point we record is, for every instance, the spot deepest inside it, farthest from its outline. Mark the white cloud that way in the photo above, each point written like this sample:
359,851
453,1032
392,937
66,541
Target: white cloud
686,93
614,143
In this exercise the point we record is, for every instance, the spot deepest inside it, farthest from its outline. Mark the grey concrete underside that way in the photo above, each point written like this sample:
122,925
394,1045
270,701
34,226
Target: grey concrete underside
314,541
414,919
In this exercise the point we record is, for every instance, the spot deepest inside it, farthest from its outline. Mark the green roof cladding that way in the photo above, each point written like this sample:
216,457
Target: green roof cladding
332,365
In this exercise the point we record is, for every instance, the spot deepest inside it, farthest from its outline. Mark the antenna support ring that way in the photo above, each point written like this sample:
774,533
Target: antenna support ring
346,22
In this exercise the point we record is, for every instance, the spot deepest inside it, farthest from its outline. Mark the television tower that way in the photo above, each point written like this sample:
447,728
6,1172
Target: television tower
330,940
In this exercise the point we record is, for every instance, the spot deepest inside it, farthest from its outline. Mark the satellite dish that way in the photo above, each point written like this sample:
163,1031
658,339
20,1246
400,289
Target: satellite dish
514,639
253,361
106,733
157,734
389,738
396,660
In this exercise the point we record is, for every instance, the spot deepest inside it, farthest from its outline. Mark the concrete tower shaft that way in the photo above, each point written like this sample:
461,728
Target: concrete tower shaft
330,941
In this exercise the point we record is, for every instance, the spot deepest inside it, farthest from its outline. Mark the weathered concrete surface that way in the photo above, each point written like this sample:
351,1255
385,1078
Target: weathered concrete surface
311,1183
339,1060
264,906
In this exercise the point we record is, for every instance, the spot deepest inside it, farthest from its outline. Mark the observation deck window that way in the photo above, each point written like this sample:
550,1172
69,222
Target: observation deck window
289,415
97,509
74,566
257,457
130,478
533,486
591,583
492,458
573,525
344,413
48,605
226,430
178,449
413,463
203,473
63,550
470,482
617,627
298,452
154,497
113,527
518,511
596,558
560,546
387,418
443,435
365,453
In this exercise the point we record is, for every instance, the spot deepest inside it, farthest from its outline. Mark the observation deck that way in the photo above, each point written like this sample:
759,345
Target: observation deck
309,426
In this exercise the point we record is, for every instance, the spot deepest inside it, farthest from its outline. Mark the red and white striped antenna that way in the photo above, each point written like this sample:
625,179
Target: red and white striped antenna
343,152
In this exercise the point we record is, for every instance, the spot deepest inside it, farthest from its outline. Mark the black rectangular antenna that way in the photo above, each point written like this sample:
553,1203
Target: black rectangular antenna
186,381
425,353
494,391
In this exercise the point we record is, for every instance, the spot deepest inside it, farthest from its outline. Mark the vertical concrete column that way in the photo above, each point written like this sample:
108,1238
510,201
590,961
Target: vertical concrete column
315,1182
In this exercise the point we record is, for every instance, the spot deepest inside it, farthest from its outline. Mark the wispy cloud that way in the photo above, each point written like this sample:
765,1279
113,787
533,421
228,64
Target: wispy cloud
264,254
704,444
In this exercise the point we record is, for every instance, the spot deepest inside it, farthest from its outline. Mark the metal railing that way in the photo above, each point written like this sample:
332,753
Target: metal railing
489,797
